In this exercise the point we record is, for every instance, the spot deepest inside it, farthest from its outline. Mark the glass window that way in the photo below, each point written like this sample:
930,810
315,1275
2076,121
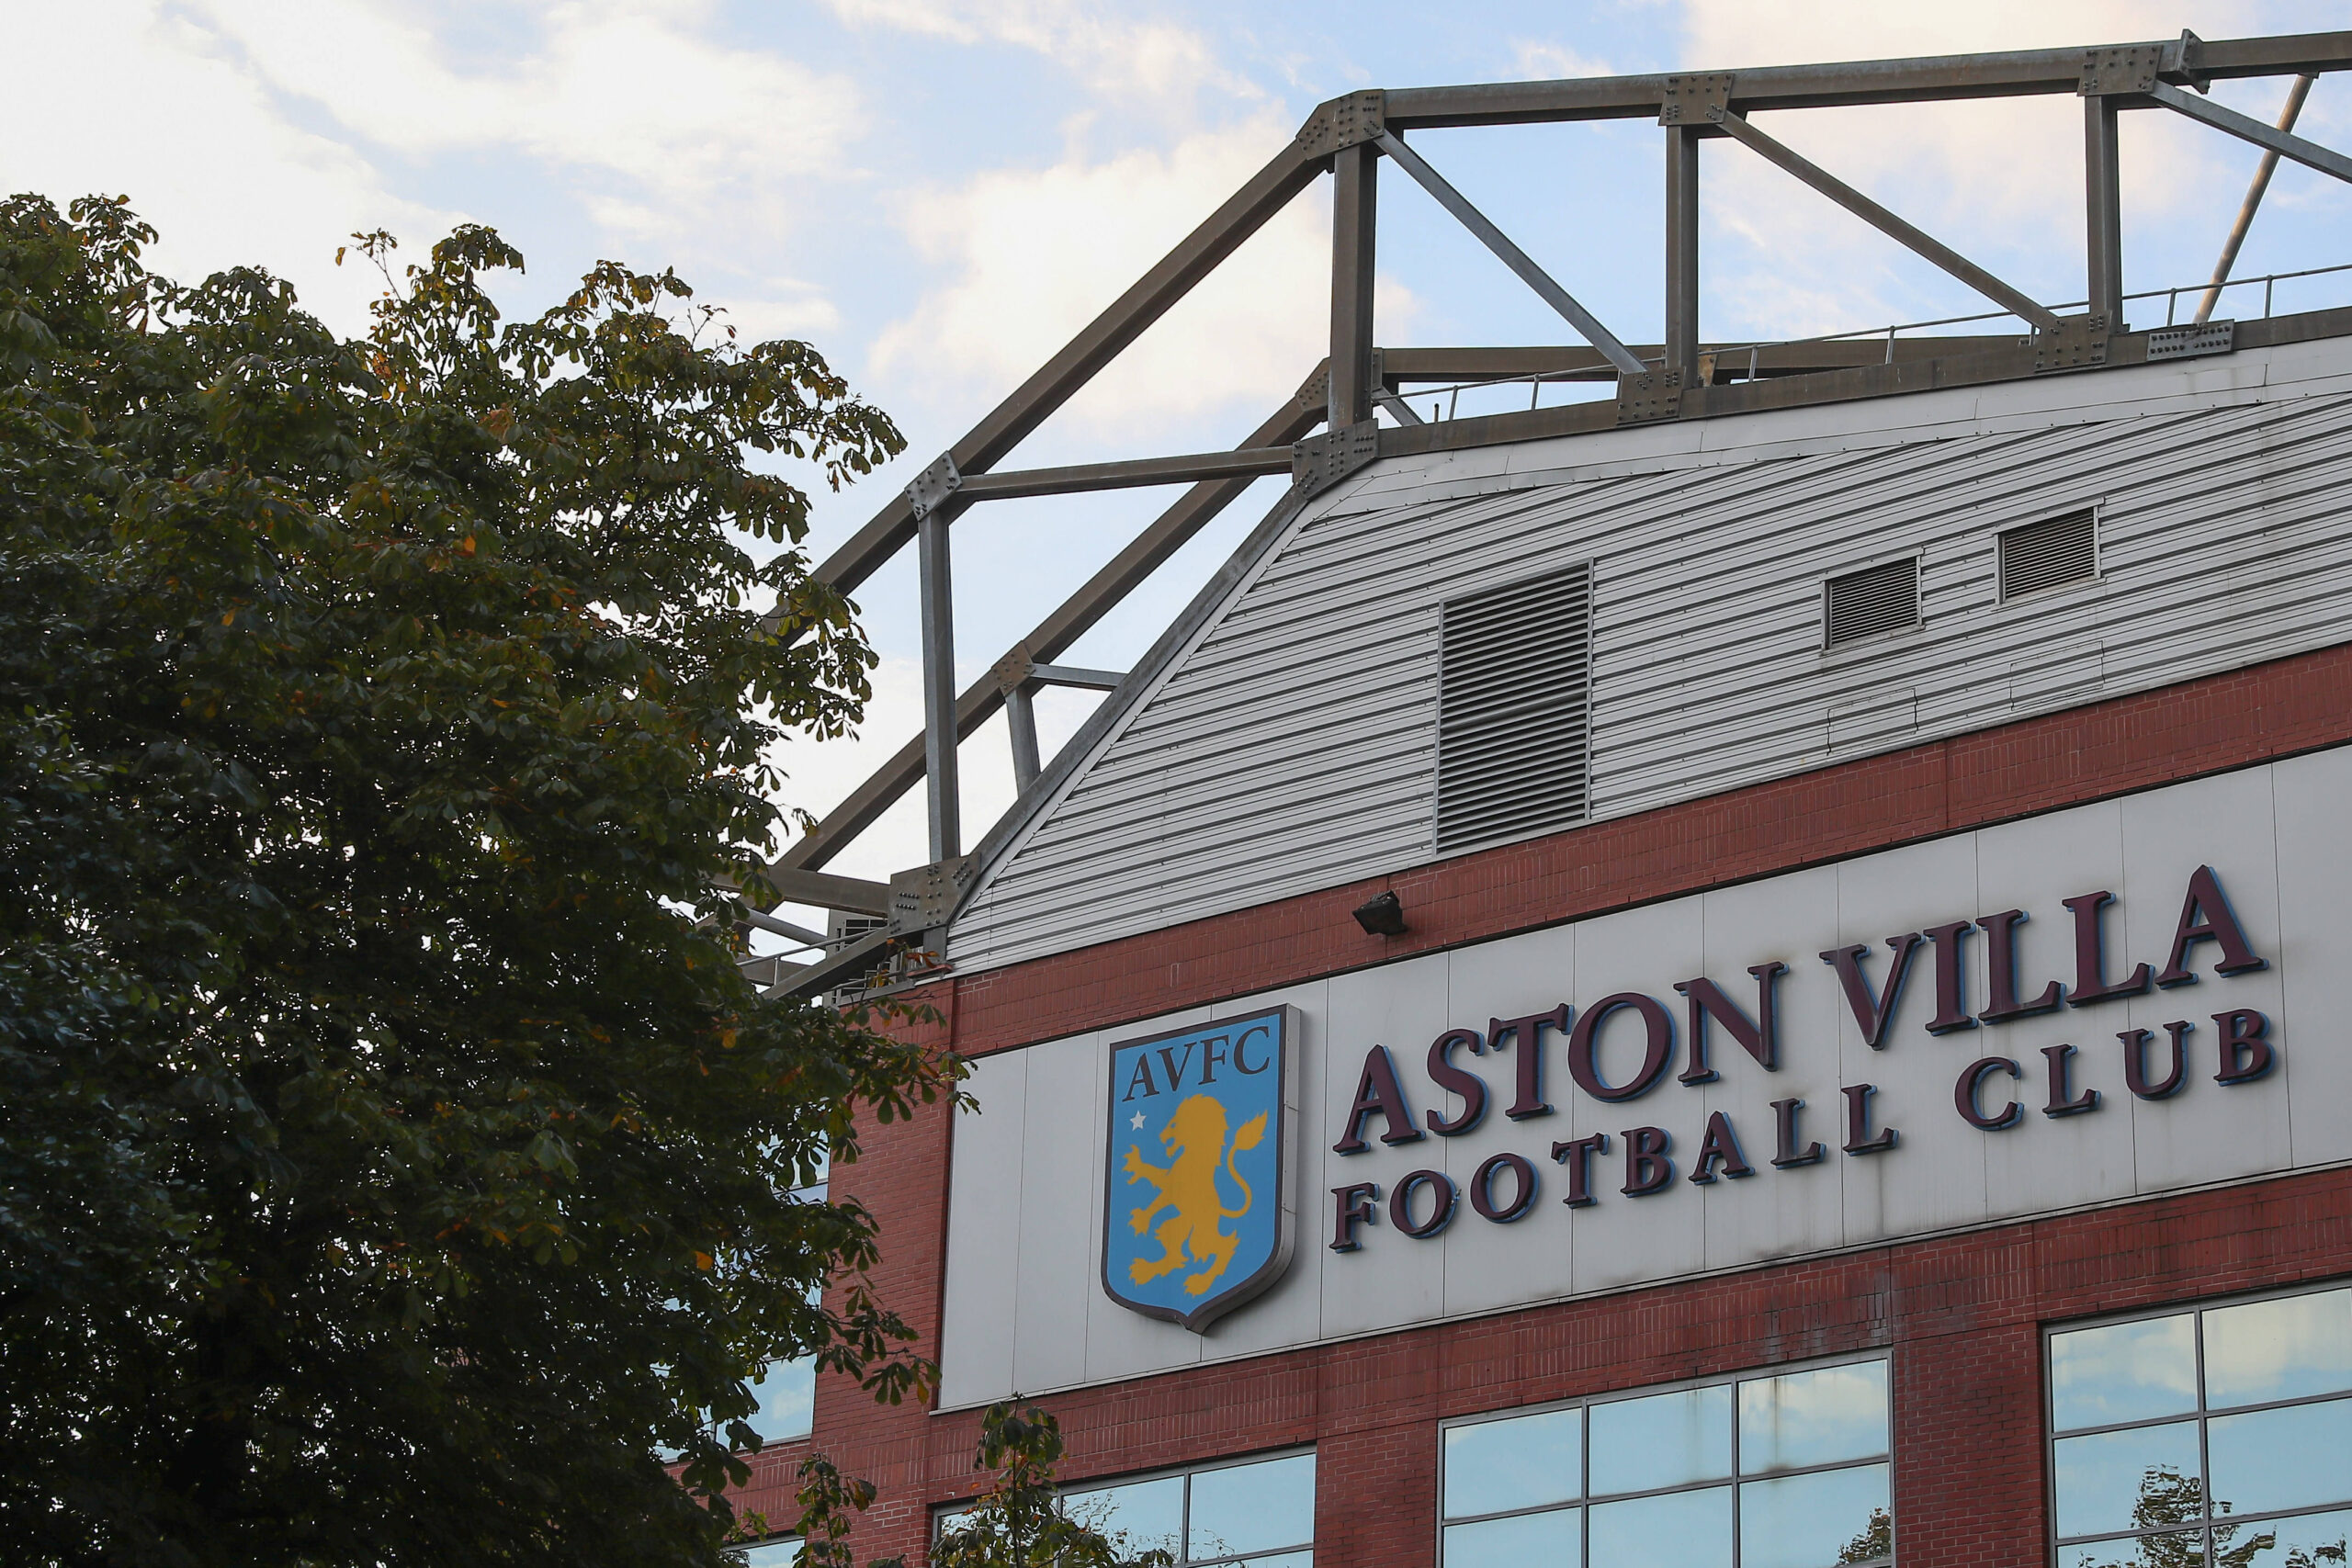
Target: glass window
1143,1515
1553,1540
1786,1471
1689,1529
782,1552
787,1396
1526,1461
1267,1506
786,1390
1257,1514
2282,1348
1667,1439
2231,1421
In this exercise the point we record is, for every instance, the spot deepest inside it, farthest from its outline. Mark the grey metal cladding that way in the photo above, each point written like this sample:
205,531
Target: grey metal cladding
1292,744
2049,553
1871,603
1514,709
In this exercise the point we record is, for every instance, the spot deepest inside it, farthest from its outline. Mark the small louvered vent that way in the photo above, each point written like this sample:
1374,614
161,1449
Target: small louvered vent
1514,710
1867,602
2045,553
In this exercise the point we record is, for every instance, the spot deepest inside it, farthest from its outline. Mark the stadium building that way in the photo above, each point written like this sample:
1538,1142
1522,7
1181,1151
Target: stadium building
1751,968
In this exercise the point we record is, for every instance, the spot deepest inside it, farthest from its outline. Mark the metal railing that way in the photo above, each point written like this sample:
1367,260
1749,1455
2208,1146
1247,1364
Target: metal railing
1729,353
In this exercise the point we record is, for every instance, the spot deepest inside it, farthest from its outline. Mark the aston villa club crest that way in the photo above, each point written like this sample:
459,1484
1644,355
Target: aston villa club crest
1197,1204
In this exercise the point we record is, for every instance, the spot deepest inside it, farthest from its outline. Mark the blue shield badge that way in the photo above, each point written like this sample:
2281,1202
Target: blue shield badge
1197,1209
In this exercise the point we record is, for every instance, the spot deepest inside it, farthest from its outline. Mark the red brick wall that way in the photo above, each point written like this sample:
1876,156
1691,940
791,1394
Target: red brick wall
1962,1316
2089,753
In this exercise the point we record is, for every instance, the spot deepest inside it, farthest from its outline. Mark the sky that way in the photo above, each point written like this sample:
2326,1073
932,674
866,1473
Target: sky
938,194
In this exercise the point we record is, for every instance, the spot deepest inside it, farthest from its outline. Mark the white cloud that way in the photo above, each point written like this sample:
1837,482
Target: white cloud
1036,253
122,96
1534,59
266,130
2000,180
628,87
1108,47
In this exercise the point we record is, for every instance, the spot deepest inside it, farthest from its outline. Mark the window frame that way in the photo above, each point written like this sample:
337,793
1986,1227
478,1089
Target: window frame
2202,1414
942,1512
1736,1480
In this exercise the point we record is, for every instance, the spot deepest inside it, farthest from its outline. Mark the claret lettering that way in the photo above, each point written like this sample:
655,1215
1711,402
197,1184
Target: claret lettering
1378,1093
1622,1046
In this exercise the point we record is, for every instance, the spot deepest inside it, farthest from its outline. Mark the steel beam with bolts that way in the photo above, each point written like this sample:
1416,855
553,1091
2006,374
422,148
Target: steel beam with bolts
1918,80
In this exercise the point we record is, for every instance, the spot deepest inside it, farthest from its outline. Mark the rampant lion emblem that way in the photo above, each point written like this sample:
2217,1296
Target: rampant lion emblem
1196,1142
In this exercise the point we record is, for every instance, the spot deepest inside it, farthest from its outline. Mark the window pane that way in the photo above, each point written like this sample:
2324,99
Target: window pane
1527,1541
2120,1480
1688,1529
1523,1462
1280,1559
1820,1418
1815,1521
2315,1540
2282,1459
773,1554
1138,1516
1664,1441
2282,1349
787,1394
2185,1551
1253,1507
2128,1371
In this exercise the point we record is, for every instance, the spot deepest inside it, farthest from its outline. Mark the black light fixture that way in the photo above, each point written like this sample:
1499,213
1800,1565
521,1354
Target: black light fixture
1382,915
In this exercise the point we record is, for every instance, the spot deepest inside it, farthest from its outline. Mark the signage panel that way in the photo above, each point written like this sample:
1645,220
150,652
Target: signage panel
2105,1002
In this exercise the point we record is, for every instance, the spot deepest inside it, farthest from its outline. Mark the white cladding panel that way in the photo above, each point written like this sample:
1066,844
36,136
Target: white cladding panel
1292,747
1025,1309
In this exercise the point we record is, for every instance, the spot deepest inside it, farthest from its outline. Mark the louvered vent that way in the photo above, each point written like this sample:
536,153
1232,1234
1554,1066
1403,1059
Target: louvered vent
1873,600
2046,553
1514,710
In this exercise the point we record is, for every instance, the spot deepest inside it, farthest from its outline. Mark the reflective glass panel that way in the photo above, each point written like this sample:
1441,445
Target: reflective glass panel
1136,1517
1525,1541
1664,1441
1808,1418
2126,1371
787,1395
2288,1348
2185,1551
1280,1559
773,1554
2131,1479
1817,1520
2289,1458
2315,1540
1688,1529
1253,1507
1524,1462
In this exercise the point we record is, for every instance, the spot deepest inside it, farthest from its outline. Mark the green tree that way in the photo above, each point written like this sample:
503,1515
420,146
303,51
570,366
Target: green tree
1017,1522
394,1166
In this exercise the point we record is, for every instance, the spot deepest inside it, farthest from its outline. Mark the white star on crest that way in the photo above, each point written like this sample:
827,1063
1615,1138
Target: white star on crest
1135,1120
